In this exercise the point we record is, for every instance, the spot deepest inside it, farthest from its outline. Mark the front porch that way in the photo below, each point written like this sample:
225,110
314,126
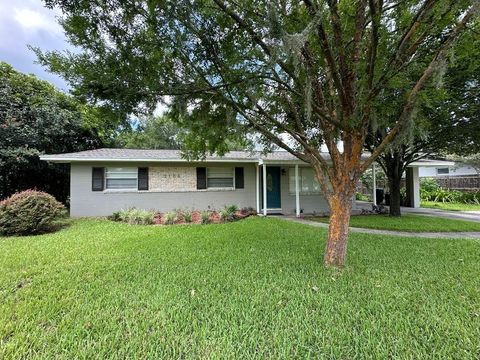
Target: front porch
289,188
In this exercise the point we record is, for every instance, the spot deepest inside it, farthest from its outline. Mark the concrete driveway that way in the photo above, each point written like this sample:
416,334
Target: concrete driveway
459,215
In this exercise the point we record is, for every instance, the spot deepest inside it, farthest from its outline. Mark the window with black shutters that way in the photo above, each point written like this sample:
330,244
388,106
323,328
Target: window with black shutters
121,178
220,177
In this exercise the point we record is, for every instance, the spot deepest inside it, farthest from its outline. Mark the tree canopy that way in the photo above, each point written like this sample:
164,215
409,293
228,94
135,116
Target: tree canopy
35,118
300,74
447,119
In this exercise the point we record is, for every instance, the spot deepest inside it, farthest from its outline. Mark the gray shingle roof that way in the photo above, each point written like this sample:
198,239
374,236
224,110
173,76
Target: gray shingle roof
176,156
161,155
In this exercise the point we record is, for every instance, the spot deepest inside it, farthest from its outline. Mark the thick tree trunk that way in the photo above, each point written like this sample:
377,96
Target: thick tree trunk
394,183
394,175
336,247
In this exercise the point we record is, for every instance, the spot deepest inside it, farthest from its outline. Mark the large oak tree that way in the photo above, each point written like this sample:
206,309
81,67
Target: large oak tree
447,120
299,73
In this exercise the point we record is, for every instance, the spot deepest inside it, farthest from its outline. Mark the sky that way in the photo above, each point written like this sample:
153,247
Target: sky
28,22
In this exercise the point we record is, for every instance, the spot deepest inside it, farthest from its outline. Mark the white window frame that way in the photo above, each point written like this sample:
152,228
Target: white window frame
291,171
223,187
134,169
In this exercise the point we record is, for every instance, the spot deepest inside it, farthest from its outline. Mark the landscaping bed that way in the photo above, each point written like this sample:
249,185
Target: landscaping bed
136,216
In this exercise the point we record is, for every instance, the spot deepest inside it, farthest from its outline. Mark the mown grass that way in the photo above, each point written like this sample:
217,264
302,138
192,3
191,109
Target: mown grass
408,222
450,206
250,289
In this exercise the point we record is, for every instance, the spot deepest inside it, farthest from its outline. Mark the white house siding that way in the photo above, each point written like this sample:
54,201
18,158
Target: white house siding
454,171
85,202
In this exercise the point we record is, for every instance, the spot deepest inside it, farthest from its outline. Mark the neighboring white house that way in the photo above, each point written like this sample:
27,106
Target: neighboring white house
105,180
456,170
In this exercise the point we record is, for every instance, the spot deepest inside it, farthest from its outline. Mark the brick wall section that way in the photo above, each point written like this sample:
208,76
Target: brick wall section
172,178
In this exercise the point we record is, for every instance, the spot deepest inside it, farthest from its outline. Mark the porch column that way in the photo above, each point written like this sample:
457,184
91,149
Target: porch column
297,193
264,190
413,186
257,188
416,187
374,175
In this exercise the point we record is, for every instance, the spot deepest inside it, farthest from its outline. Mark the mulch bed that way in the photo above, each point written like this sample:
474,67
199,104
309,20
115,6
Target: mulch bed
214,217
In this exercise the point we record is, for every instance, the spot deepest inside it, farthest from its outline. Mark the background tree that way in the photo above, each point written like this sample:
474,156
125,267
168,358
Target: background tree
153,132
447,120
472,160
300,74
35,118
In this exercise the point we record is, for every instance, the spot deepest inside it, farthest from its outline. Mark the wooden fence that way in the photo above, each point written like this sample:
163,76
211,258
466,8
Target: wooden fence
465,182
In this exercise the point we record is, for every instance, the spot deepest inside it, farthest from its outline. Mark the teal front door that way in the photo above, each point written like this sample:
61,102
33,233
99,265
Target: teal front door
273,187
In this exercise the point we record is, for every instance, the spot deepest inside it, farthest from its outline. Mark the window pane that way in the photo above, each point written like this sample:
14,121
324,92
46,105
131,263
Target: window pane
291,180
121,178
120,173
307,181
220,182
443,171
121,183
220,177
220,172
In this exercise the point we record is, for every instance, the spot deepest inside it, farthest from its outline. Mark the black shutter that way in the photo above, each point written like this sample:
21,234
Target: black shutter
239,182
97,178
143,178
201,178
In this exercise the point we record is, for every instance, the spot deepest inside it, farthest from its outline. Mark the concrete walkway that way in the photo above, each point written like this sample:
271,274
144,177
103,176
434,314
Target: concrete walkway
433,235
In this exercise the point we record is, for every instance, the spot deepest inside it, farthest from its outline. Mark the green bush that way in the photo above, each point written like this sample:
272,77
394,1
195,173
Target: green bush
134,216
361,197
431,191
170,218
232,209
187,216
228,213
205,217
29,212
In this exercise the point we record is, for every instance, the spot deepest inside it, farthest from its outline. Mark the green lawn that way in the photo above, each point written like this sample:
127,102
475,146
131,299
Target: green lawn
250,289
450,206
408,222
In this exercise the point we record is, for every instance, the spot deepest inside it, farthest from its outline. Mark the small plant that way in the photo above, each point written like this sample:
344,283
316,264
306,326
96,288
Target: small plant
29,212
170,218
134,216
228,213
361,197
205,217
187,216
232,209
116,216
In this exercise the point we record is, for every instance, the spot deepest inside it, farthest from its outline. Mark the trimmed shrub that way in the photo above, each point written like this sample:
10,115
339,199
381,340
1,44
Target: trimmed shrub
170,218
205,217
29,212
187,216
134,216
228,213
232,209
